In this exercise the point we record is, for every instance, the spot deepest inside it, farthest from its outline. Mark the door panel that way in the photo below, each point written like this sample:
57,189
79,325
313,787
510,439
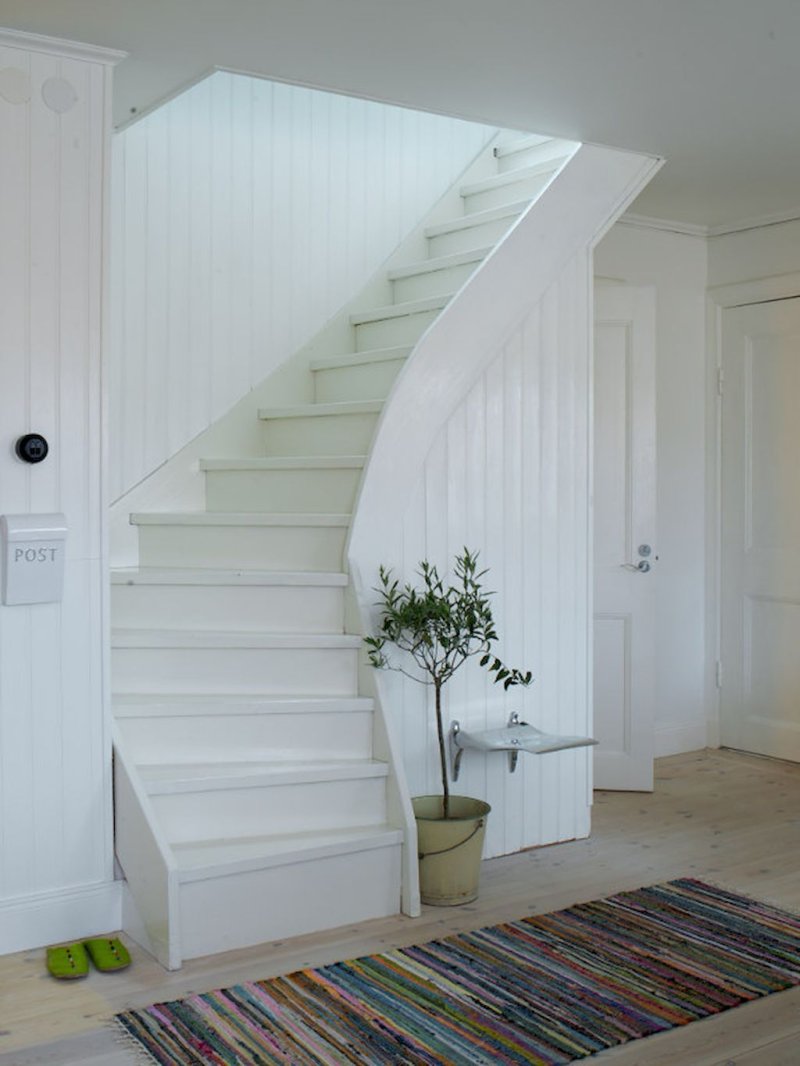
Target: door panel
760,596
624,520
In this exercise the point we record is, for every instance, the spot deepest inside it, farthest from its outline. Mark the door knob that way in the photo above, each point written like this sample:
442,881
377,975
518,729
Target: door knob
642,567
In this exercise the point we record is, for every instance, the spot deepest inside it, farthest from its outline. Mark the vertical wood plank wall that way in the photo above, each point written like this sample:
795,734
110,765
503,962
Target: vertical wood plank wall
245,214
509,475
56,874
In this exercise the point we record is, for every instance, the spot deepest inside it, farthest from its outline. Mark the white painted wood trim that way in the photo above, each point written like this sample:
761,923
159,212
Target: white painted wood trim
55,46
689,229
63,914
757,290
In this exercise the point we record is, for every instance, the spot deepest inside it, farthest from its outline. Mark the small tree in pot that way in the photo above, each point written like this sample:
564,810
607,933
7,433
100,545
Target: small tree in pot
439,627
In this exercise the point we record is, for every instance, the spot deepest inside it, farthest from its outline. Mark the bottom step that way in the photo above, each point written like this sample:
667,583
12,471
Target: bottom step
234,894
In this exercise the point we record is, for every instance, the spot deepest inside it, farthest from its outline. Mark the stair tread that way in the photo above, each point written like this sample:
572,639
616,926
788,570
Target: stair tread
288,462
144,575
374,355
511,177
141,705
201,638
236,518
207,857
478,218
522,144
402,310
319,410
441,262
172,778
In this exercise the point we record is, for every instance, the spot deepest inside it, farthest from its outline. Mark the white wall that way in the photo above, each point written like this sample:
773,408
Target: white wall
55,758
245,213
676,265
754,253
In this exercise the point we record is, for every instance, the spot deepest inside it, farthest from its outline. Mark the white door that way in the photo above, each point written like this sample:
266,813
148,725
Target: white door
760,594
624,536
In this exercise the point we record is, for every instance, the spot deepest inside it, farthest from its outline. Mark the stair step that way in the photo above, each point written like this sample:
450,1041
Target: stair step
201,638
246,540
528,151
441,262
278,664
152,575
214,858
332,877
475,229
197,727
227,599
285,483
358,375
479,218
521,144
513,177
192,705
343,428
223,801
168,780
351,359
321,410
403,310
443,274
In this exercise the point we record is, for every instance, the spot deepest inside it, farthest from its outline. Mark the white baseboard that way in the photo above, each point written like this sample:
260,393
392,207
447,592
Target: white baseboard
60,915
677,739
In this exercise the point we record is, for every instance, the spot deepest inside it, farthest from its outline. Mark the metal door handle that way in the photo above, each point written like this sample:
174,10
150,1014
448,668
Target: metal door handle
642,567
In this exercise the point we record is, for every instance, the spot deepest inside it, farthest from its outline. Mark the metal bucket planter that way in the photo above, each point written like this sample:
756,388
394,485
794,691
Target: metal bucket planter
449,849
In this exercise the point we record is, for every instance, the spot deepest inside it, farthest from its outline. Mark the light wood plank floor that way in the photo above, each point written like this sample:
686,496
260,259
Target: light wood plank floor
729,818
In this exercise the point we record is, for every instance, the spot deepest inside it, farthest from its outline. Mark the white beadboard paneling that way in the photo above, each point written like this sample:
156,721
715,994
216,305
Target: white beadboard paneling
508,475
245,214
55,796
492,416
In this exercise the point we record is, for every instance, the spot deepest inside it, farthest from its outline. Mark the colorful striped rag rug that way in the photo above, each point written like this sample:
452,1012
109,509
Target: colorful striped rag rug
547,989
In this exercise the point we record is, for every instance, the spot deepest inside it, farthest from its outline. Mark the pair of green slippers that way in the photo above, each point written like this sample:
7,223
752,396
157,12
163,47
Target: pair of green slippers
69,961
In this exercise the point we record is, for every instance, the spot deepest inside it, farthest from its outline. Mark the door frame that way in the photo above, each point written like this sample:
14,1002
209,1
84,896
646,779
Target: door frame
719,299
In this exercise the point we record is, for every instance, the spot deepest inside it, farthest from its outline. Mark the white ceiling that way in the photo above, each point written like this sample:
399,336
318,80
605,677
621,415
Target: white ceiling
712,85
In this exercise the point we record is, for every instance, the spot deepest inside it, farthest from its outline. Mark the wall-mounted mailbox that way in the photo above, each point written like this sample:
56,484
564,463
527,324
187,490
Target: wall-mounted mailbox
33,557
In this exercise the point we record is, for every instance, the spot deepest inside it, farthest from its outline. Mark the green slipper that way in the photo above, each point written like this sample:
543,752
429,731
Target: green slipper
68,962
108,953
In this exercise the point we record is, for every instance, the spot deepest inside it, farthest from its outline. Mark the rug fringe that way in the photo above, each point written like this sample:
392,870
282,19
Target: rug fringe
771,901
129,1043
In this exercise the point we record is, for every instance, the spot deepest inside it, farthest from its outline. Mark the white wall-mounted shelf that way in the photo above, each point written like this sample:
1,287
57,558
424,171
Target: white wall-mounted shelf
513,738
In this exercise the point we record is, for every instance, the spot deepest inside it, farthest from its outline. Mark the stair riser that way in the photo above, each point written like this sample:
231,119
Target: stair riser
390,332
303,898
463,240
530,156
369,381
332,735
220,814
329,491
267,671
245,547
432,283
506,194
245,608
319,435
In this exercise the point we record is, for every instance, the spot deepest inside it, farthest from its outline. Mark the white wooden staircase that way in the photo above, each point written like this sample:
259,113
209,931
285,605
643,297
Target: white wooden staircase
248,803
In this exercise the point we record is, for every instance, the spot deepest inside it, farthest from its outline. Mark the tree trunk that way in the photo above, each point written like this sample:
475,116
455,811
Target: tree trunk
442,751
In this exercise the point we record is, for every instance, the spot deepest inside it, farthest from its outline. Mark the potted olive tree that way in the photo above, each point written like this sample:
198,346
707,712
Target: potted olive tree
432,630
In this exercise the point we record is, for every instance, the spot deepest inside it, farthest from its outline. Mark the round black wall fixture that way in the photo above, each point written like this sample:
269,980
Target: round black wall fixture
32,448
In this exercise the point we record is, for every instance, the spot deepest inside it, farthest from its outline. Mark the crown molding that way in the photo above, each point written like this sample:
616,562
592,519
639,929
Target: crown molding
688,229
761,221
35,42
